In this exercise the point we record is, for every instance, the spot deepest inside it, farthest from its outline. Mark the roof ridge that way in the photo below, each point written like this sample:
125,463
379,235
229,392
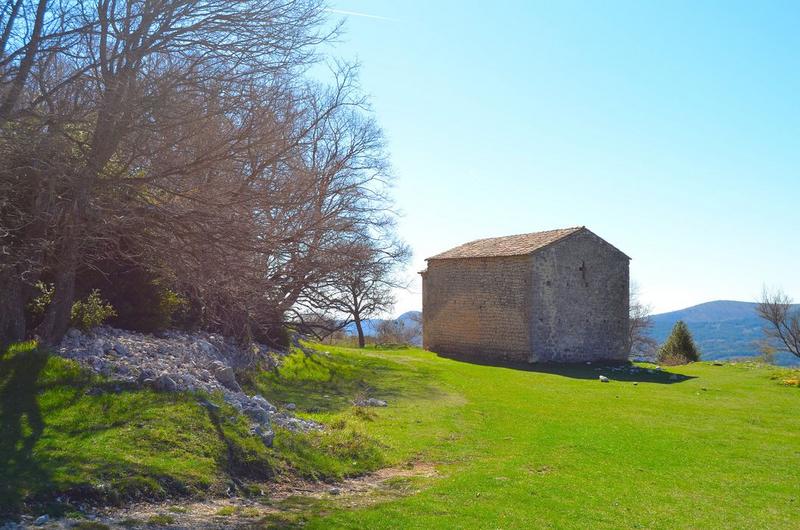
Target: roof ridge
575,228
511,245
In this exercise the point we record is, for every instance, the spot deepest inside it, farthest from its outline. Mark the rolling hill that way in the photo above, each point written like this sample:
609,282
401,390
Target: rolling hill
722,329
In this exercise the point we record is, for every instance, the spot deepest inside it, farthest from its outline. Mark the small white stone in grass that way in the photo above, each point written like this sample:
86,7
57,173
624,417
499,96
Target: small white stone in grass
603,379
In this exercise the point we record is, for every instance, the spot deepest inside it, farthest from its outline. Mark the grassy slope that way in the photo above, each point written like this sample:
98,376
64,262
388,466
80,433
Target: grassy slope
516,448
65,431
719,448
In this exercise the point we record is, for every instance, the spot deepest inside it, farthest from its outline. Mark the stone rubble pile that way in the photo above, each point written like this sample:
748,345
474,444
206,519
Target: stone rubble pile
176,361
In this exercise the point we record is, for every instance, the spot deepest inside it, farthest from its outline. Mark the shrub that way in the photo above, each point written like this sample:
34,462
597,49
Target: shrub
38,305
679,347
91,311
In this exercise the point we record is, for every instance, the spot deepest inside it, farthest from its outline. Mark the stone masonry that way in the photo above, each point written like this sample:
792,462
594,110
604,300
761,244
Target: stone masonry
556,296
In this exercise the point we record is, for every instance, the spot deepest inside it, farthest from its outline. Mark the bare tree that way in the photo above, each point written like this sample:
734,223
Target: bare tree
640,344
364,286
154,110
397,332
184,136
783,320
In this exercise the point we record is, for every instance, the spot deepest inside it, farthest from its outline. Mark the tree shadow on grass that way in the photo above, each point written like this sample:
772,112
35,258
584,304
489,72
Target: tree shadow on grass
320,383
26,470
21,426
615,371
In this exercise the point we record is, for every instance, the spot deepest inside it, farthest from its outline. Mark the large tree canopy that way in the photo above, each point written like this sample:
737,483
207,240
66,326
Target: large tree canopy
183,135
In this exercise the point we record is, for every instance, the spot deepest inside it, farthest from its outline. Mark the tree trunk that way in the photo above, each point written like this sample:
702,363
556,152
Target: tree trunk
12,309
56,318
360,329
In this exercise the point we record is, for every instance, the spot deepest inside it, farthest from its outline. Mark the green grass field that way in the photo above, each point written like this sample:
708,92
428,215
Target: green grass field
718,447
715,447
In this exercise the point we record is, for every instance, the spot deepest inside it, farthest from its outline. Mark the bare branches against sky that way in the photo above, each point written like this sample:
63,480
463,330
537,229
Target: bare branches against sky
359,14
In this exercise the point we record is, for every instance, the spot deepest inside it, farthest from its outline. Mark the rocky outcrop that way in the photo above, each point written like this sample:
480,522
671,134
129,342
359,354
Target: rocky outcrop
176,361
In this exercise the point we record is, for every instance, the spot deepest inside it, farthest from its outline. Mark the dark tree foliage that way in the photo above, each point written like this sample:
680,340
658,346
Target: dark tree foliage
142,300
679,346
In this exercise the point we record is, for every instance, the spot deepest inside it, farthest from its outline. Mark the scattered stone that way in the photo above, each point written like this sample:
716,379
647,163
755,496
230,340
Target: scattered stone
658,368
371,402
74,333
334,491
717,363
121,349
165,383
98,347
291,406
266,434
42,519
635,383
603,379
257,414
224,374
259,399
146,376
206,347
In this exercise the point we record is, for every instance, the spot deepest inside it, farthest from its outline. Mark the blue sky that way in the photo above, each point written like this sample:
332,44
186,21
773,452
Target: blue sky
671,129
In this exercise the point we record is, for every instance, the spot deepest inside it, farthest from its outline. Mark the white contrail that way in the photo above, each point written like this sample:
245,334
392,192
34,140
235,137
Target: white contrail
357,14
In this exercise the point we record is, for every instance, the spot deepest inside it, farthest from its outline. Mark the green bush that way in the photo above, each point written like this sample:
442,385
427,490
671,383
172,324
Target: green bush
38,305
91,311
679,347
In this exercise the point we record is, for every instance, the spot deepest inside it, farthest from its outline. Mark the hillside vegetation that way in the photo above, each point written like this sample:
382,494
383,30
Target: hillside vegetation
700,446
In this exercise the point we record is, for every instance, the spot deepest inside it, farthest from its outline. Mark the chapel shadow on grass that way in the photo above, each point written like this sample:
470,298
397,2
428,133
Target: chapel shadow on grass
615,371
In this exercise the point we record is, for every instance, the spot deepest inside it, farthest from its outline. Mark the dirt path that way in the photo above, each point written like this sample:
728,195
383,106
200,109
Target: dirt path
281,504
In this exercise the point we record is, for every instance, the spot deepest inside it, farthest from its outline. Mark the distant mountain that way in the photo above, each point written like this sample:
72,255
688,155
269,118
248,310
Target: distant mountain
370,325
722,329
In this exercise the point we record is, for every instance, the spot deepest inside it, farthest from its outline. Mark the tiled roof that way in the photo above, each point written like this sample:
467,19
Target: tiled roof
518,245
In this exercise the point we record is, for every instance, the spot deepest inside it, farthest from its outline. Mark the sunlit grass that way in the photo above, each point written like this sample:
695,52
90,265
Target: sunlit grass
712,447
